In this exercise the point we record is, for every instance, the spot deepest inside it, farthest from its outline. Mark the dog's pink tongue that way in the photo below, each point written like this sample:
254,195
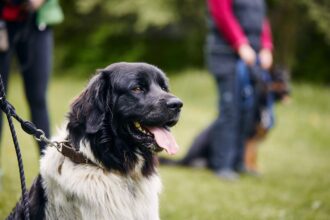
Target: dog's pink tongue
165,139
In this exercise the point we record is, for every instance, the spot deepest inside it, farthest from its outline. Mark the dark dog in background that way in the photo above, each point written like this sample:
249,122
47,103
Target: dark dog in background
115,128
279,90
198,153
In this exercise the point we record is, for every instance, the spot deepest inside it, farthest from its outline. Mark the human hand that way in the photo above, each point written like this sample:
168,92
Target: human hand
247,54
35,4
266,58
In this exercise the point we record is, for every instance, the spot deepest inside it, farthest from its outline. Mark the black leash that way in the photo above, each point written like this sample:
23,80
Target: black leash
8,109
29,128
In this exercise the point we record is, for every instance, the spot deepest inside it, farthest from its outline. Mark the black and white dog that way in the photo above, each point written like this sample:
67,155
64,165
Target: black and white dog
118,123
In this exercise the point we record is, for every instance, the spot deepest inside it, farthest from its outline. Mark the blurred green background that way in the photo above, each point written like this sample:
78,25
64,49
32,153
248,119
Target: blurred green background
170,34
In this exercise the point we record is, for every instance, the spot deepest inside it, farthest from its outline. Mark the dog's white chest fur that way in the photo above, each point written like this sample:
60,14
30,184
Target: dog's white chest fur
76,191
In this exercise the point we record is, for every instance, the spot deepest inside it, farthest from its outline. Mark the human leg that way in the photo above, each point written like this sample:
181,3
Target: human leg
36,76
5,60
224,136
4,68
247,113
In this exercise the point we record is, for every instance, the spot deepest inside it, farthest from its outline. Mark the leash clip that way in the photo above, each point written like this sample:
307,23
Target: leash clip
57,145
43,138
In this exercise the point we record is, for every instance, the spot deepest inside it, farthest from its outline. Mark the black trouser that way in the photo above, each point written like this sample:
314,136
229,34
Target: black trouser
226,136
34,54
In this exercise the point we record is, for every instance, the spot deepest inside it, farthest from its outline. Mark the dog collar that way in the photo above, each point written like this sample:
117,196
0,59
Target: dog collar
67,150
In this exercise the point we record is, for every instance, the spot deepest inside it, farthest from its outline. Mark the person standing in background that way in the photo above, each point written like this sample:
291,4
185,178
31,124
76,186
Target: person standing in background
30,38
238,30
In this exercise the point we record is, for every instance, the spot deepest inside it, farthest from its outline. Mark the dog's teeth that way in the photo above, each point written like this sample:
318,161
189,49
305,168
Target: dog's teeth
140,128
137,125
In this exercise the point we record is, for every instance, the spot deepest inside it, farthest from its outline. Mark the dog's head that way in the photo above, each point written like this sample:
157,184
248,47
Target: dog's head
125,112
280,83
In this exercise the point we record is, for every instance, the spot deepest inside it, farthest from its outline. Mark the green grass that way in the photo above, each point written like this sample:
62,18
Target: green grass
294,158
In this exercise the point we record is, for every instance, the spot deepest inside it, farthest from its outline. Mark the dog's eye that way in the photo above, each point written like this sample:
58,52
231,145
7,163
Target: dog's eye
164,88
137,89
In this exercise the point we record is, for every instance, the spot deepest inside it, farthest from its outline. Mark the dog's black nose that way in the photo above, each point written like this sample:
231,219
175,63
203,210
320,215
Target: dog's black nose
174,103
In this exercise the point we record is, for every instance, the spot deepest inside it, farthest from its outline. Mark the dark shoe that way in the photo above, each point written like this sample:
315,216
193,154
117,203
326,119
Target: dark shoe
241,169
227,174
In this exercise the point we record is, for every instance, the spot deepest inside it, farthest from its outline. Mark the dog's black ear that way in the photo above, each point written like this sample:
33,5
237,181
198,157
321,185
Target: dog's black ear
89,109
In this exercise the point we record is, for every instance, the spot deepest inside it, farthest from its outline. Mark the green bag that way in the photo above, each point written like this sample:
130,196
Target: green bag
49,13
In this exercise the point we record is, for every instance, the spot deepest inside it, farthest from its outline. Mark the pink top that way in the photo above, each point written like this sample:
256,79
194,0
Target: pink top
222,12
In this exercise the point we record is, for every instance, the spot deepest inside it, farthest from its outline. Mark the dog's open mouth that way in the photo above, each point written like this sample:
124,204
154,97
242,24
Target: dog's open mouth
162,136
